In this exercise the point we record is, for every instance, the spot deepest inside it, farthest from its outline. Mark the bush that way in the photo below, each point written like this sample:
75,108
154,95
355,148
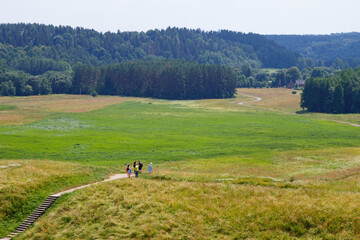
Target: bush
94,93
28,90
7,89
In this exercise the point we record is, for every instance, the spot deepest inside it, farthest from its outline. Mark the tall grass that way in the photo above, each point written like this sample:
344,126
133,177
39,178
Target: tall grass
25,184
149,209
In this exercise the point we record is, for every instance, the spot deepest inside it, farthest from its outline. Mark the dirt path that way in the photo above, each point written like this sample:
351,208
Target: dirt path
114,177
259,99
352,124
256,98
48,202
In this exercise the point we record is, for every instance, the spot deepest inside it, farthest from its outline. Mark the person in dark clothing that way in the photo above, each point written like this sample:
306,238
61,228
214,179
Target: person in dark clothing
135,163
140,166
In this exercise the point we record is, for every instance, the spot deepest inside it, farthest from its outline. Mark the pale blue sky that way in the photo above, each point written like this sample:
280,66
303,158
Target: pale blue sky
259,16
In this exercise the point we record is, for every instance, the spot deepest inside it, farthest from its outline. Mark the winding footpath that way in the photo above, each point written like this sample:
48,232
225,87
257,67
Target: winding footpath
48,202
247,95
349,123
259,99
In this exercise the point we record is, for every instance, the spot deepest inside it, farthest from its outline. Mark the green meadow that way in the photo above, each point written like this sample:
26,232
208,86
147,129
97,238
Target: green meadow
134,130
269,174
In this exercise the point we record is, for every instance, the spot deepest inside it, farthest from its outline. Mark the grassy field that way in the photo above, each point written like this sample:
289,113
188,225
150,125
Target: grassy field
24,184
269,172
282,100
168,132
20,110
270,70
153,209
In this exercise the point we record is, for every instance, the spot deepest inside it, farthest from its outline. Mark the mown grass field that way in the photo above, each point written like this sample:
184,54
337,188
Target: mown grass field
221,170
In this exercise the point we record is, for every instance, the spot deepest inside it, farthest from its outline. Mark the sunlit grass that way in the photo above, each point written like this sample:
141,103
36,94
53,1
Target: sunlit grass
132,131
282,100
155,209
28,109
24,184
7,107
221,170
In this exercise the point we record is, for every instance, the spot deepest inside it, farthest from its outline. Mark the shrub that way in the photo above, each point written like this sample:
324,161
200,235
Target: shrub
94,93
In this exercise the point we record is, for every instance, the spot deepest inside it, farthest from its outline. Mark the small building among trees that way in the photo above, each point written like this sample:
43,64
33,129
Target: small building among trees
300,83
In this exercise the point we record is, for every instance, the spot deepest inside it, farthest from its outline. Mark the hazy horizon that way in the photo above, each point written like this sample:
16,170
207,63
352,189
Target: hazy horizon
300,17
305,34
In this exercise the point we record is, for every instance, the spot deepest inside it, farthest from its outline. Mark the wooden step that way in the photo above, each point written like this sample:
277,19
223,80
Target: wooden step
25,225
33,217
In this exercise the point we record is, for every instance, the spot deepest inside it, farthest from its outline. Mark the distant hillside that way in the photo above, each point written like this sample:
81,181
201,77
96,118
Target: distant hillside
21,45
340,49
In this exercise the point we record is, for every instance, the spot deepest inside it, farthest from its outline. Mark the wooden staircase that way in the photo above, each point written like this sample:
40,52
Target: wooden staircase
48,202
33,217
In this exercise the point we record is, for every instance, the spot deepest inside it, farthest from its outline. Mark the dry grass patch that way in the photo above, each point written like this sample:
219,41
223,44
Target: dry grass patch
279,99
282,100
289,166
326,164
24,184
149,209
29,109
63,103
229,104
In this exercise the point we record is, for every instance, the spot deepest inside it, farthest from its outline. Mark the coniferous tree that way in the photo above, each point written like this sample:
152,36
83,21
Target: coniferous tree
339,99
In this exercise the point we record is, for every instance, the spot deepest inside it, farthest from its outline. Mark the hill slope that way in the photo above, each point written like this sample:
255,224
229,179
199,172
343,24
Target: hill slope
341,47
28,41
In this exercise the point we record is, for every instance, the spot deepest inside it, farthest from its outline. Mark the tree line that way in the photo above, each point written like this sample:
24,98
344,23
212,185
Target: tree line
73,45
264,78
158,79
339,51
333,94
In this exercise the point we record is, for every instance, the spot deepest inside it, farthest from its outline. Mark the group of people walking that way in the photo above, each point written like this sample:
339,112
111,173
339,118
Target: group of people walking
137,168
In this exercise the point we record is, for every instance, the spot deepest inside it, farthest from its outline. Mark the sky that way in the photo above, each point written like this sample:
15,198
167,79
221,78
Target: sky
257,16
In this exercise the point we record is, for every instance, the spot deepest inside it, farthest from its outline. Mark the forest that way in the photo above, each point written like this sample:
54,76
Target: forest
338,50
26,42
333,94
43,59
174,79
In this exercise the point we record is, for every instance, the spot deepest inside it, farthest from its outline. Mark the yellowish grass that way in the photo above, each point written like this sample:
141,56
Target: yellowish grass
278,99
24,184
282,100
229,104
62,103
29,109
316,167
16,182
149,209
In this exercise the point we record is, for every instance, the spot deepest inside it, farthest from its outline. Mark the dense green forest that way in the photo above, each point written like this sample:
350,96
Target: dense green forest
43,59
259,78
333,94
174,79
22,44
340,50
